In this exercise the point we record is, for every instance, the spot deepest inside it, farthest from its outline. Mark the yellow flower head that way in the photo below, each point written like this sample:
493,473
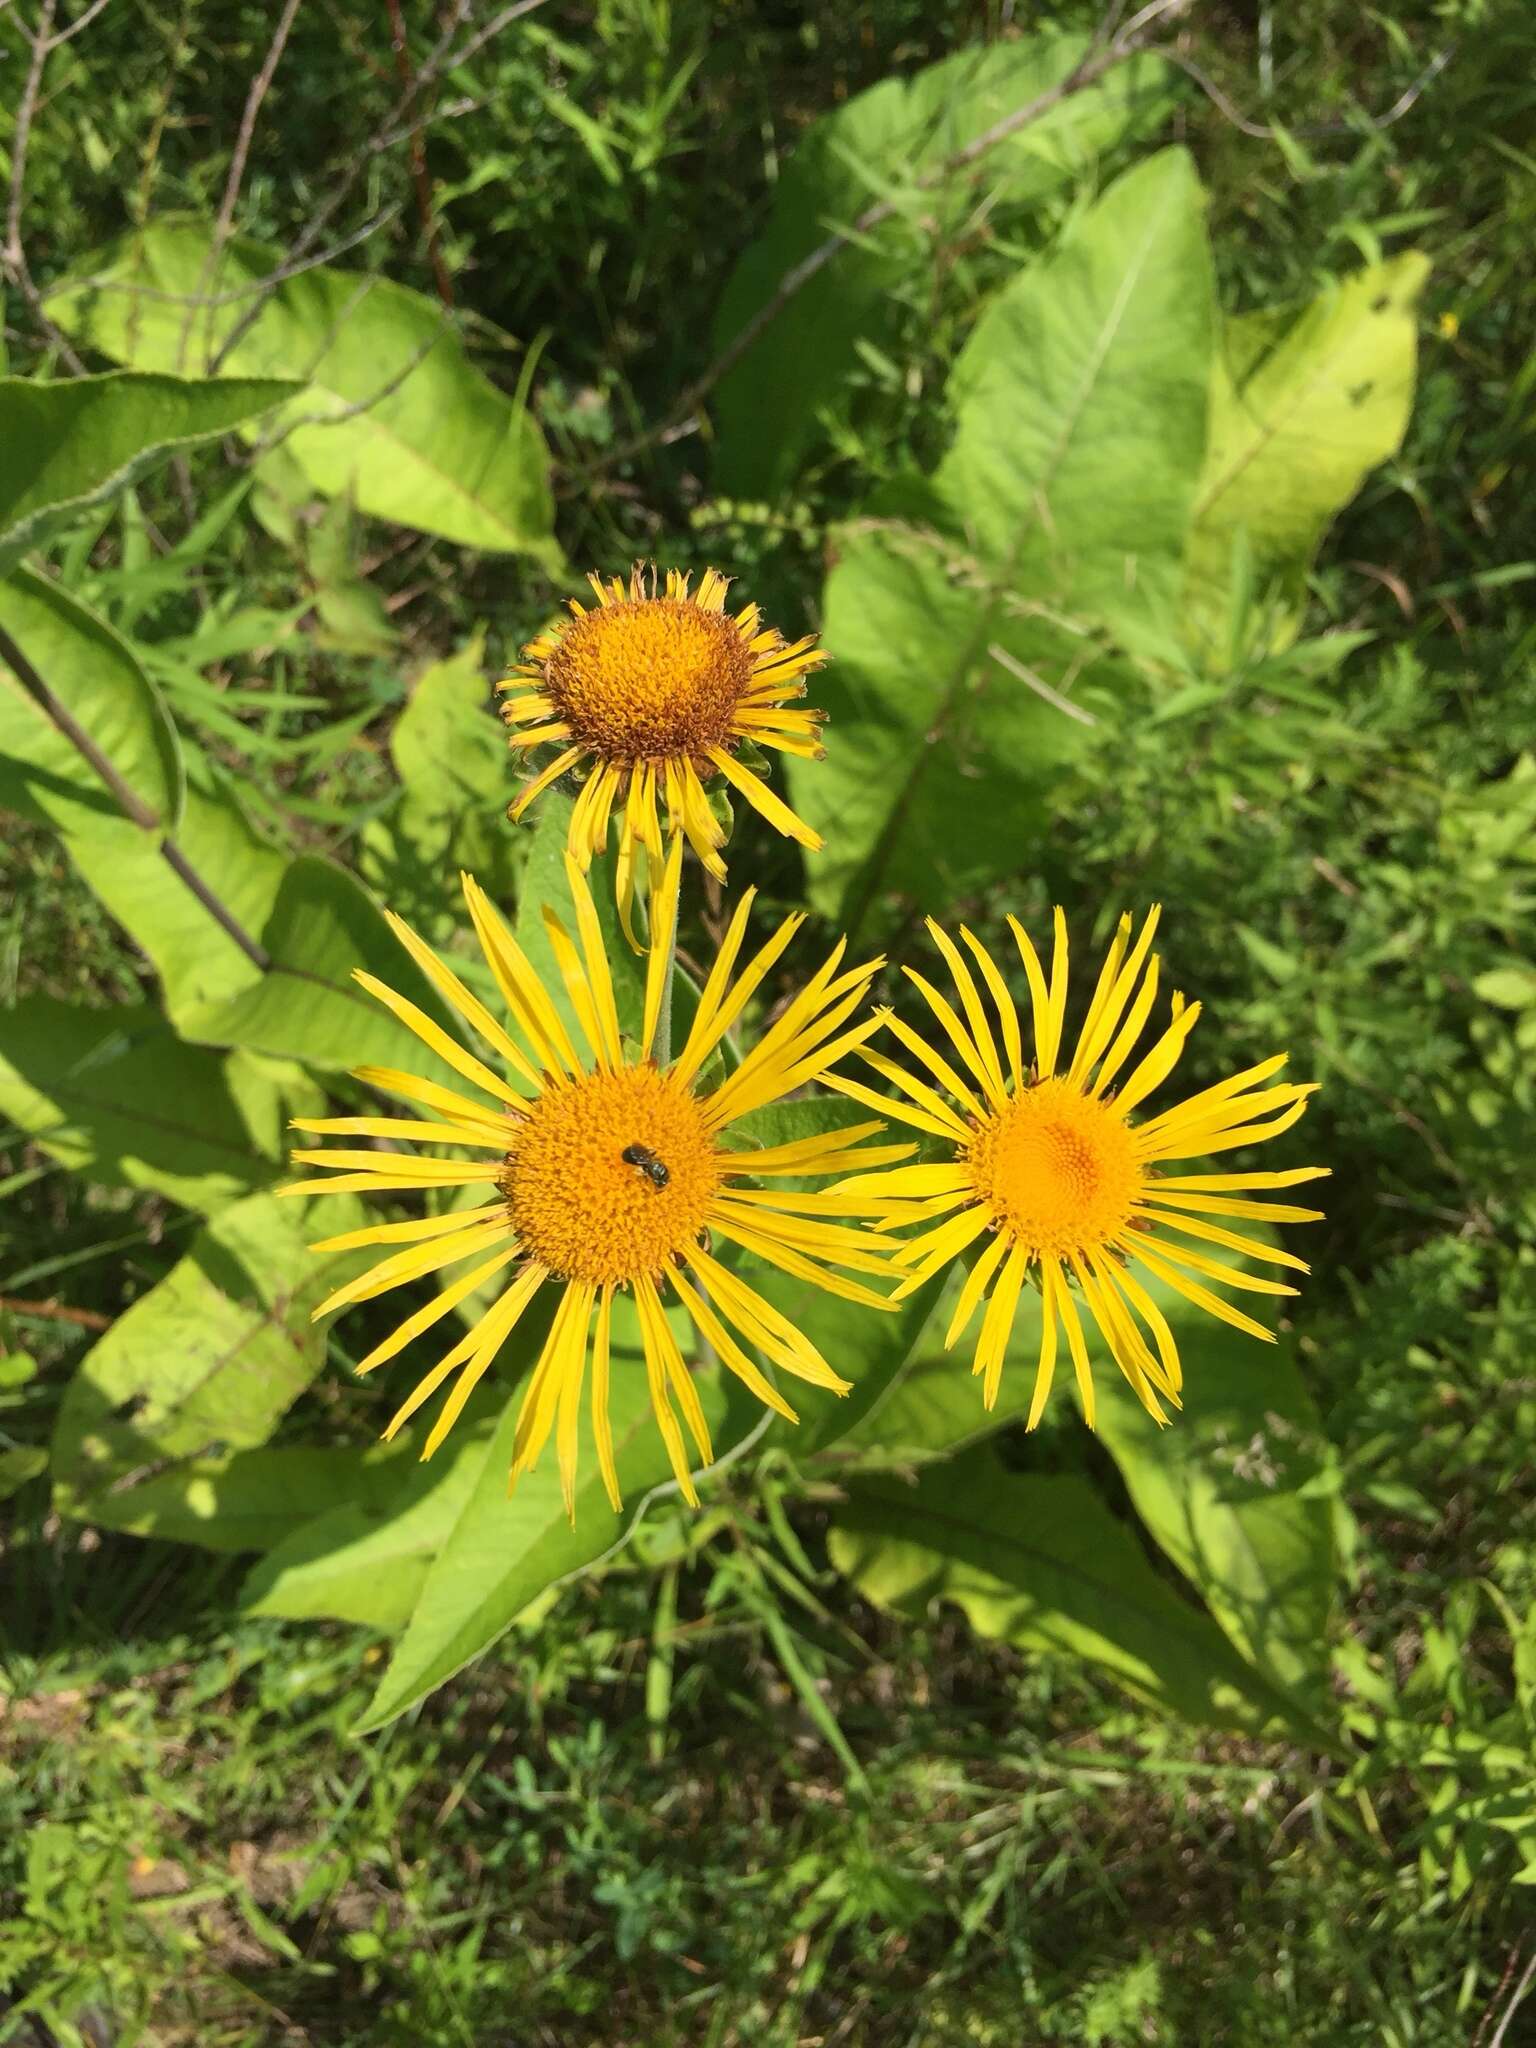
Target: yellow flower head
1048,1162
654,693
607,1169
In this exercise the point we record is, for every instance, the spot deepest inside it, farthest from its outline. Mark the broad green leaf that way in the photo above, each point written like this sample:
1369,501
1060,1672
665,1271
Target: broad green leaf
938,758
114,1094
1301,411
1080,407
317,922
67,446
450,753
233,1501
202,1364
394,414
1224,1492
502,1553
19,1465
98,680
1041,1563
771,407
366,1558
930,1405
978,620
324,926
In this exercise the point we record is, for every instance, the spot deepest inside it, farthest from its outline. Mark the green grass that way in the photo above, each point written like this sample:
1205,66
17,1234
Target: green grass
192,1846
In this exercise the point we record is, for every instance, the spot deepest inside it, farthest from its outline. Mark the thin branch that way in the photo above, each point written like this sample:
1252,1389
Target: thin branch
1317,131
419,176
128,800
441,59
56,1312
224,223
208,301
1041,688
66,35
351,412
1102,56
13,257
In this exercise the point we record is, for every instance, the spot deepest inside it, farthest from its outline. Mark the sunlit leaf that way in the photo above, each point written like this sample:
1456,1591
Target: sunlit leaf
393,413
70,445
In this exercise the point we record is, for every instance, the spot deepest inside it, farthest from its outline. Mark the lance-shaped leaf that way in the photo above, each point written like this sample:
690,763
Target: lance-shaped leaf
114,1094
1041,1563
503,1553
97,680
71,444
978,617
393,413
204,1363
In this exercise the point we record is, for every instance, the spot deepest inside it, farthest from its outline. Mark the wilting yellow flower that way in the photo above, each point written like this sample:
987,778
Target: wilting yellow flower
1050,1166
654,694
608,1170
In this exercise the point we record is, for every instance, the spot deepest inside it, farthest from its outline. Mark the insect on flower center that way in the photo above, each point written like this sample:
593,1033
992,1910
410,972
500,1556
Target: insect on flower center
610,1175
652,677
1058,1169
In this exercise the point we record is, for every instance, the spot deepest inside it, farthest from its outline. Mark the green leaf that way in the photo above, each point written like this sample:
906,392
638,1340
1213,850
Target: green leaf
397,418
324,925
203,1364
20,1464
1228,1491
1041,1563
70,445
930,1405
1510,988
450,753
366,1558
976,618
96,677
317,922
502,1553
239,1500
1080,406
1301,410
930,727
114,1094
771,407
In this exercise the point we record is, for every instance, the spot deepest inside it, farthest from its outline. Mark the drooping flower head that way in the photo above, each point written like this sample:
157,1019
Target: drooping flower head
654,693
607,1169
1049,1163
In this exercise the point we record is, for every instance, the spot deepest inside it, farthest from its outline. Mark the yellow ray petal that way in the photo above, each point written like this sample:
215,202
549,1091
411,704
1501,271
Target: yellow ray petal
447,1049
762,799
566,759
440,1305
602,1422
985,1069
1202,1297
1045,1363
663,930
976,1281
1007,1009
1160,1062
684,1391
728,1350
1213,1233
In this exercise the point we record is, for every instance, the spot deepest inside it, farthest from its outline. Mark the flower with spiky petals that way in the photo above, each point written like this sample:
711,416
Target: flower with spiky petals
653,692
607,1169
1050,1165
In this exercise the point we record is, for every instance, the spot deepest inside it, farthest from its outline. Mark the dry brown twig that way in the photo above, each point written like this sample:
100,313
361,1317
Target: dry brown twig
223,224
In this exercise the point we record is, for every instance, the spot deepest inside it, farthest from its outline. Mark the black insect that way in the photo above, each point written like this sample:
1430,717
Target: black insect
654,1170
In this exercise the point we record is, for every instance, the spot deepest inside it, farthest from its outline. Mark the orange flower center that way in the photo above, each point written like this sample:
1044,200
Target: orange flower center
1058,1170
649,678
610,1176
